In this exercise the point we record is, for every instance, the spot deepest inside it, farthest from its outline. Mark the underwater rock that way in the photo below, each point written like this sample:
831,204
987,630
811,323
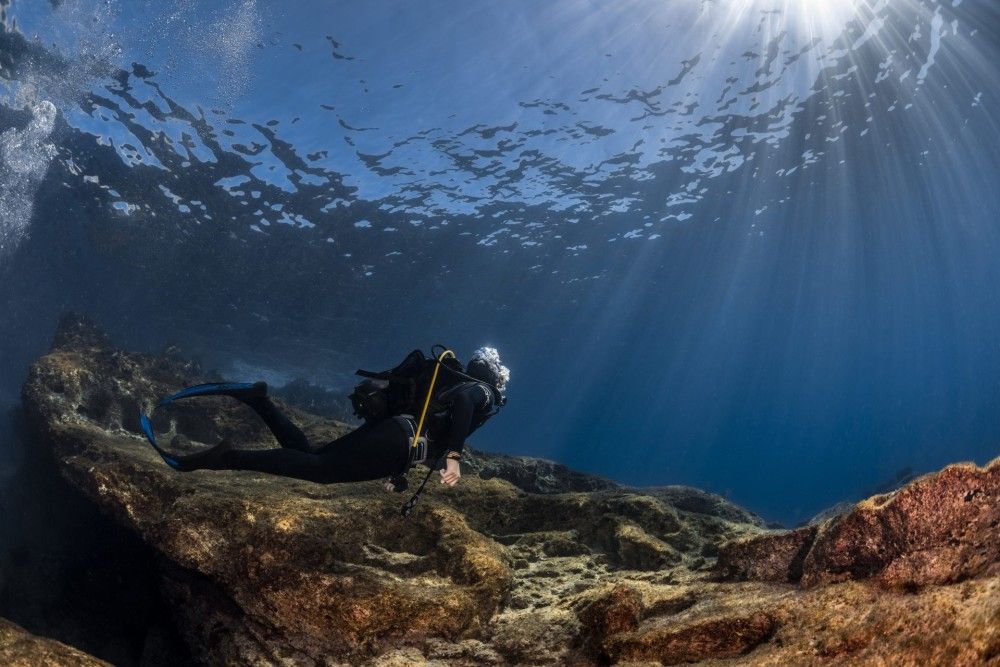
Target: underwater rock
19,648
941,528
768,557
533,475
524,562
702,502
723,637
610,615
830,513
259,567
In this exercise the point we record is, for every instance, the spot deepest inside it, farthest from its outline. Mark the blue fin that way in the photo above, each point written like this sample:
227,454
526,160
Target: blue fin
147,428
210,389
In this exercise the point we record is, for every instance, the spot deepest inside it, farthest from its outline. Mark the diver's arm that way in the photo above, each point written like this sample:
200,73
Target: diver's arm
462,411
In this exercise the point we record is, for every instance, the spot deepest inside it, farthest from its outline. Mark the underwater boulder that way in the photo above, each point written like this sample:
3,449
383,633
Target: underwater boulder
534,475
610,615
717,638
768,557
941,528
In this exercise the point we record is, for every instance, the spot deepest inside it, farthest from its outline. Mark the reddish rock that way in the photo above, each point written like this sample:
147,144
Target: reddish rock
725,637
769,557
942,528
612,614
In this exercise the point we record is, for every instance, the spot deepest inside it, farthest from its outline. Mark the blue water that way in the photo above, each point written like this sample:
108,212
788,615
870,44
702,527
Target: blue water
745,245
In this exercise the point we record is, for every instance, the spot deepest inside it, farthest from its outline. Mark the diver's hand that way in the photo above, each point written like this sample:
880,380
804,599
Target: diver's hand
451,474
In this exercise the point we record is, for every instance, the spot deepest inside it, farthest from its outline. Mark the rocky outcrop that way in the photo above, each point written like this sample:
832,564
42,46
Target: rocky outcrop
534,475
525,562
19,648
723,637
849,623
940,529
776,556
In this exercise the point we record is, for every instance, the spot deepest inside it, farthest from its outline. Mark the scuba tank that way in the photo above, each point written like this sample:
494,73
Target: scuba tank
402,389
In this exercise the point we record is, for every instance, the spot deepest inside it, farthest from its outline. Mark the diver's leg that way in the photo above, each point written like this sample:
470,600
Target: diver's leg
289,435
284,462
373,451
320,468
356,437
255,395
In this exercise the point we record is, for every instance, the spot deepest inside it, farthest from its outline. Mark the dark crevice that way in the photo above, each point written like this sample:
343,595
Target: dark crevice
70,574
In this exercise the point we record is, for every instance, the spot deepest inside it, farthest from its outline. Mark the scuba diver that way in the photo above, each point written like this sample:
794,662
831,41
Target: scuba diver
421,411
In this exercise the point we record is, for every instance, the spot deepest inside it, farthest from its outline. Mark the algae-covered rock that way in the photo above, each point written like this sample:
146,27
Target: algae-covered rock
533,475
611,615
941,528
19,648
723,637
524,562
774,556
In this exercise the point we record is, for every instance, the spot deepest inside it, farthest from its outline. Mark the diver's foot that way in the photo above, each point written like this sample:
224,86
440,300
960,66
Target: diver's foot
256,391
210,459
397,484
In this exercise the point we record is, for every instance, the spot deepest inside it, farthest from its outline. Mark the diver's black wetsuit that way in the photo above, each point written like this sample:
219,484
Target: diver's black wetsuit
372,451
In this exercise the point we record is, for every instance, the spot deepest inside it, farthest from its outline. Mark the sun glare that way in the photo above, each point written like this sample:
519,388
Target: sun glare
823,19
